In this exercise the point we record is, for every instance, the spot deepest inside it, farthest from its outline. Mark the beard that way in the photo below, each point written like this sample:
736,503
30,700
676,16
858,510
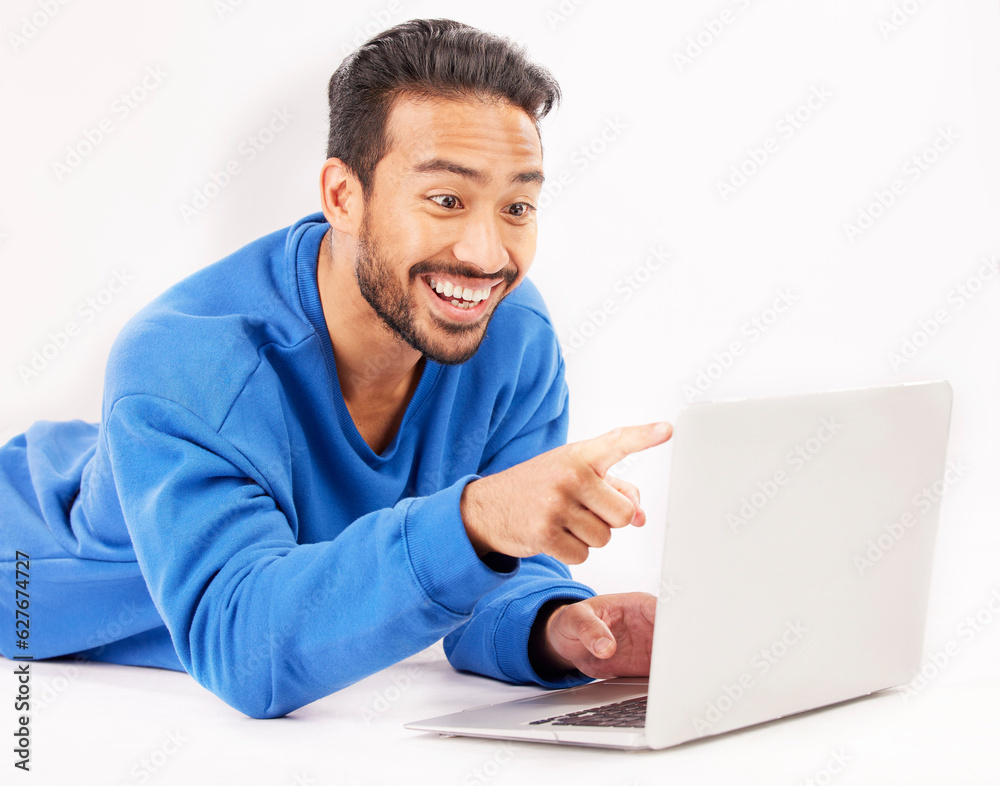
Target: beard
451,343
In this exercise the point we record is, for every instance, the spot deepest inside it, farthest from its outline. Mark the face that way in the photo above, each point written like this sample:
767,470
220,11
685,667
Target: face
449,229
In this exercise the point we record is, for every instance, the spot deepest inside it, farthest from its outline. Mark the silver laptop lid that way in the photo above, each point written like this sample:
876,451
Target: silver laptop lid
797,555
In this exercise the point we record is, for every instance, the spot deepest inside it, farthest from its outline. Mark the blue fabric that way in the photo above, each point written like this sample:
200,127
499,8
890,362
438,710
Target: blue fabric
226,518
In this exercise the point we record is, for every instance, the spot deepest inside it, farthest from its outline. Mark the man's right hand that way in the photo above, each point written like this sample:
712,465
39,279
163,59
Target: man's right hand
561,503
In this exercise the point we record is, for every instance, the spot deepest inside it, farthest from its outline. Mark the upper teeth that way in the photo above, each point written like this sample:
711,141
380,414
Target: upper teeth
448,289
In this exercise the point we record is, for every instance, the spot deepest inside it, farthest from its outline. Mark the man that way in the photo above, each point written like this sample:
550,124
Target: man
312,460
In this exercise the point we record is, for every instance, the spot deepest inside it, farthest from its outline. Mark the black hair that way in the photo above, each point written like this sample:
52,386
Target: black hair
427,58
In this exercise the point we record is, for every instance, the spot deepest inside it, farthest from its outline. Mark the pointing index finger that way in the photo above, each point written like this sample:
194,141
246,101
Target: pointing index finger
608,449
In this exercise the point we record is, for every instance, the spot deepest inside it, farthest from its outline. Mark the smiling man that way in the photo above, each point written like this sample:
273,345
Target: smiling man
346,440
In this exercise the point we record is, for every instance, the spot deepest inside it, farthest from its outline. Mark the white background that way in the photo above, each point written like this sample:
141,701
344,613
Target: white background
639,149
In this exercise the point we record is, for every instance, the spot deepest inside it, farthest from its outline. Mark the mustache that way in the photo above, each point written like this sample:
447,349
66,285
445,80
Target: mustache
425,267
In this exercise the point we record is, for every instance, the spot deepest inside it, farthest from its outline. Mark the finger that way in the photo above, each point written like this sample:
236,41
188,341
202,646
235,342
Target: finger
593,633
649,608
568,548
607,503
632,492
587,527
608,449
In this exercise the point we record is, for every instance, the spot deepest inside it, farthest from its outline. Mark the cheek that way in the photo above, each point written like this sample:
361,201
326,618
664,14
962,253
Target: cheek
417,238
521,248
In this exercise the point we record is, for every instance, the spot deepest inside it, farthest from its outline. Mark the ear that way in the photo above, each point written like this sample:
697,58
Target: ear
340,197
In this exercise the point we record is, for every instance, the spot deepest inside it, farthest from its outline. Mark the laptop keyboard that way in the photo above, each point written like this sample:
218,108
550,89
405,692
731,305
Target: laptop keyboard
628,714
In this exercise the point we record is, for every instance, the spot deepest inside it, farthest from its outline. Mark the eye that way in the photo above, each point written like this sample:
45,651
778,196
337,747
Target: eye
520,209
447,201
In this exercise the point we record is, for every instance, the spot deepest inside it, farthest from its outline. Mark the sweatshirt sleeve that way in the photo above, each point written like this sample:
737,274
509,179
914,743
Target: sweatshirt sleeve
494,642
265,623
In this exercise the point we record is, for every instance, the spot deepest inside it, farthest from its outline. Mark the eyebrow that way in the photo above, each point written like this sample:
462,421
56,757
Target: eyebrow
444,165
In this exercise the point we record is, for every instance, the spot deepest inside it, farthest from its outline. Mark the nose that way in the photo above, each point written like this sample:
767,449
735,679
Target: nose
481,244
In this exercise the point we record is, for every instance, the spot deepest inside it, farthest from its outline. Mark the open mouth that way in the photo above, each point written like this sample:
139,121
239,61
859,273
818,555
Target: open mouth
461,301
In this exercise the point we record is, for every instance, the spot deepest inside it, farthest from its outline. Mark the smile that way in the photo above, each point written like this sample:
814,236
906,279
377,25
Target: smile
461,296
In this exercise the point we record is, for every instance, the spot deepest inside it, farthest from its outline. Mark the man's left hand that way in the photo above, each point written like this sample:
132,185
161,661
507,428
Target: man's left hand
605,636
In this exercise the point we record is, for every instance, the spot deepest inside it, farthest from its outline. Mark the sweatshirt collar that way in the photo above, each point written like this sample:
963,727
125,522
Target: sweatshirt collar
302,247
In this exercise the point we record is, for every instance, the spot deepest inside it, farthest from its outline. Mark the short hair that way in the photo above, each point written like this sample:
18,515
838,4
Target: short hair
426,58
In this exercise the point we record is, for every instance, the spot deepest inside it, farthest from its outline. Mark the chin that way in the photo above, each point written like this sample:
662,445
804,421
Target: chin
452,358
444,349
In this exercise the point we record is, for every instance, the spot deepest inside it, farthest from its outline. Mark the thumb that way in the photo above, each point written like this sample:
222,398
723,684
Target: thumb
595,635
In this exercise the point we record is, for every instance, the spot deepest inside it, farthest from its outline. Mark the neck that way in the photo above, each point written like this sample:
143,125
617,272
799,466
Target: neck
373,364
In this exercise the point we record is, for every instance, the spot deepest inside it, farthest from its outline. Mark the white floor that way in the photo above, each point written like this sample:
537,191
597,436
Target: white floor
105,724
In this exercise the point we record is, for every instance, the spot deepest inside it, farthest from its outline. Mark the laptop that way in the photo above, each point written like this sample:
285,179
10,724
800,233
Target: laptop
796,570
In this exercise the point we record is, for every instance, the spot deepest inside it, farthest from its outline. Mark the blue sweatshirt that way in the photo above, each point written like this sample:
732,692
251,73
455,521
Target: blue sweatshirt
226,518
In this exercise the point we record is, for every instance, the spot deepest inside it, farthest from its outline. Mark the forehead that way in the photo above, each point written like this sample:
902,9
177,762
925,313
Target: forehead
492,136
